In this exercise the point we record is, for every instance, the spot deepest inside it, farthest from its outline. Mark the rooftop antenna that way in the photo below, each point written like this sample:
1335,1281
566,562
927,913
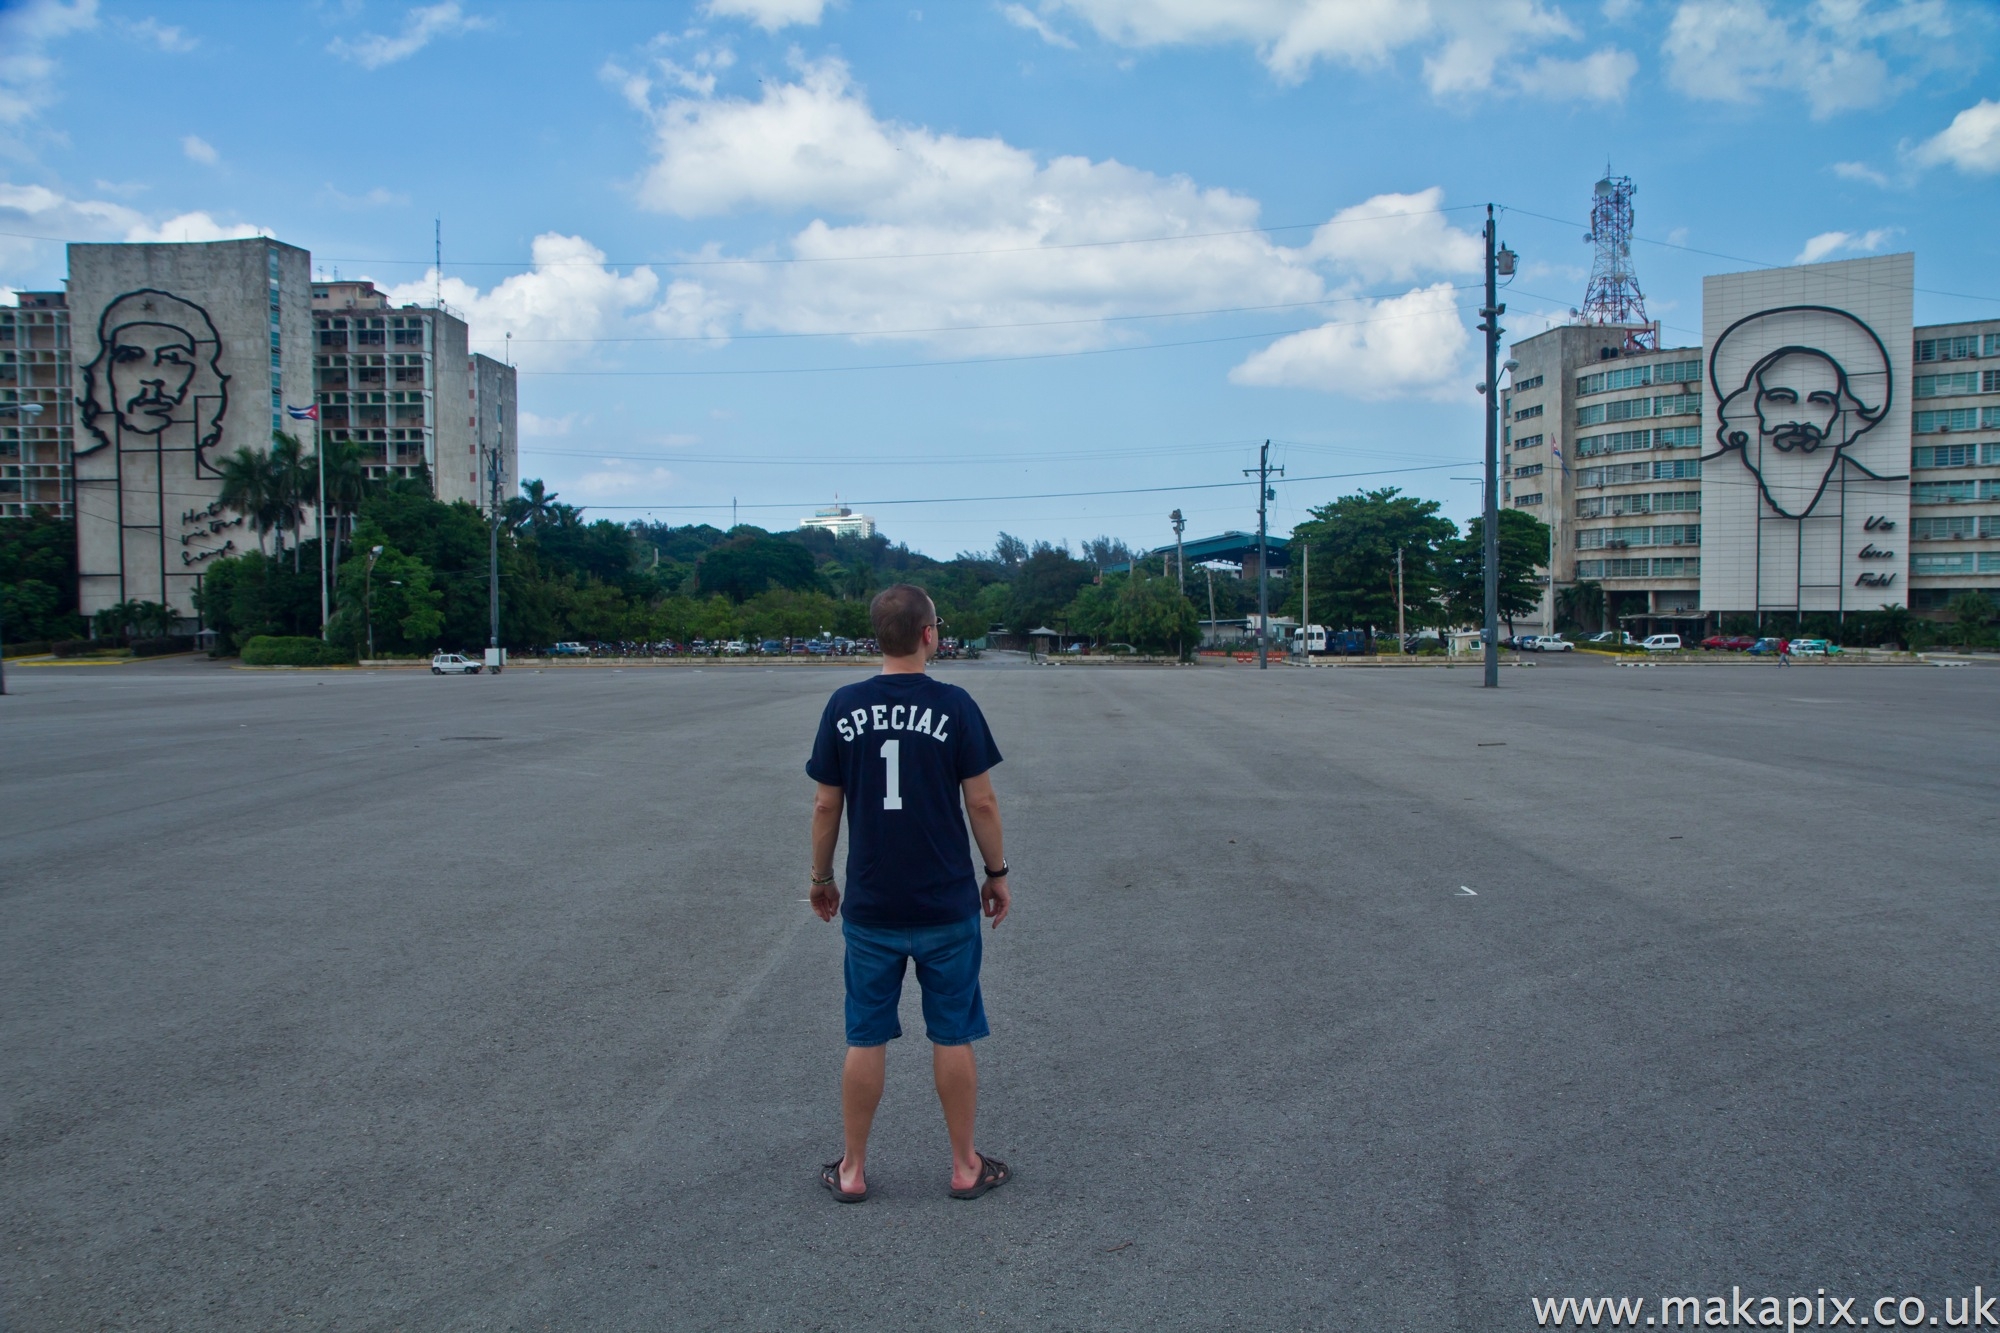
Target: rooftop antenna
437,263
1613,297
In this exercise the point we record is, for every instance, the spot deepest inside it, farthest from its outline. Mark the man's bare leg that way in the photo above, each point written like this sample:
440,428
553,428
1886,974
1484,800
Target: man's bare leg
860,1093
957,1075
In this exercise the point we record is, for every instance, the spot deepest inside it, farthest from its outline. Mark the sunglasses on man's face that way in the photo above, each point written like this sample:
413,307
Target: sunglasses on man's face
938,625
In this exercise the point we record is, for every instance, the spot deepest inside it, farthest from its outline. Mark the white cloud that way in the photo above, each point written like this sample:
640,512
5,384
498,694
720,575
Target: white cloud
421,26
569,294
27,71
1970,143
979,232
1601,76
1405,346
770,15
1860,171
1831,51
379,197
1829,243
200,150
615,478
169,39
537,427
1023,17
1468,44
195,226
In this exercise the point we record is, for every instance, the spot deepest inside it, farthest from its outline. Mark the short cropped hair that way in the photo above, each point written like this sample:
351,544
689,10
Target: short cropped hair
899,613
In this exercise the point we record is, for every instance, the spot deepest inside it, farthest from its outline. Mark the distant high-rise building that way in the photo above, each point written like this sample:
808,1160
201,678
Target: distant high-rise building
392,379
35,371
841,522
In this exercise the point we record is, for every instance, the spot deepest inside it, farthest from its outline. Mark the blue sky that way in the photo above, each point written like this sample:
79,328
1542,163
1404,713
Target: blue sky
778,250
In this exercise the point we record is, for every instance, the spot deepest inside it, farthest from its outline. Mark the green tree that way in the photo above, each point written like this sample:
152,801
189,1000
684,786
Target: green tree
1972,612
1152,615
294,480
250,488
1354,541
1580,606
1046,582
397,597
747,565
37,563
1524,547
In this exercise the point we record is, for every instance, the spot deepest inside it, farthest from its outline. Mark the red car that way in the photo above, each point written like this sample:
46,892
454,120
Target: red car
1733,643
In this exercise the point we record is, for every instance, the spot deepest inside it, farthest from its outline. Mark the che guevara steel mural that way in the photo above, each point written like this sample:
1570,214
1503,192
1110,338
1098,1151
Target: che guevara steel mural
157,376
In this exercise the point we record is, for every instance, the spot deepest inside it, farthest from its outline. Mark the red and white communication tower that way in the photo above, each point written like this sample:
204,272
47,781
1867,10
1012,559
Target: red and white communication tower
1613,297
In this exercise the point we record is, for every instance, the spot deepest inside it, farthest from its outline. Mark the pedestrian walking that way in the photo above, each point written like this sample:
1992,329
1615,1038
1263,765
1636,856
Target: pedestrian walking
1784,652
899,753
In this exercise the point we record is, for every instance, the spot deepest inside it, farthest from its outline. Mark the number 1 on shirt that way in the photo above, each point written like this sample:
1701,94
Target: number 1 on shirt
892,759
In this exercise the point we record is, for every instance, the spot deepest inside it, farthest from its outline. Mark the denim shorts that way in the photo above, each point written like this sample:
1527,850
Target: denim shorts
947,959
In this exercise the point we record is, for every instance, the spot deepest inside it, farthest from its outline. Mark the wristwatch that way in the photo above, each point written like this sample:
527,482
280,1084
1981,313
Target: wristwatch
991,873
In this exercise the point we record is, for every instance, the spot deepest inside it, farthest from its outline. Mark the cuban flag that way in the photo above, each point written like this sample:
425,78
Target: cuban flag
304,413
1555,449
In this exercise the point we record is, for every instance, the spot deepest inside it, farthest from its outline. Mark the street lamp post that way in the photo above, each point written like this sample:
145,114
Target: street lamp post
368,595
31,411
1499,264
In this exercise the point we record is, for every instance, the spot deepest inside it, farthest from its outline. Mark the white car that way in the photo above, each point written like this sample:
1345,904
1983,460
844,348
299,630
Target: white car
1553,643
447,663
735,648
1662,643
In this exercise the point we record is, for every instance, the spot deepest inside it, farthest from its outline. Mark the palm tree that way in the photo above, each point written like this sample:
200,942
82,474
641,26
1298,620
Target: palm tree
346,484
250,489
539,503
295,484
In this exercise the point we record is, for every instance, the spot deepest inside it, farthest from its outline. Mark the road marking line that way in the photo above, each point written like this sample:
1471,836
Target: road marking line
1467,892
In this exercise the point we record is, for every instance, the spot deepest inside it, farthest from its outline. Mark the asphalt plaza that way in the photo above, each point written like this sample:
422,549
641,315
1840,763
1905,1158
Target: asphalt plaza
381,1000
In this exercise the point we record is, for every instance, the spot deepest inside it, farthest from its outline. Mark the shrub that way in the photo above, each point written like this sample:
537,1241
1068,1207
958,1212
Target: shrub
30,648
78,647
273,650
160,647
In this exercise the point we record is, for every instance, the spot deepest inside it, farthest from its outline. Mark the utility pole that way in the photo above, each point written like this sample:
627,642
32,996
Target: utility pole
1180,550
1265,495
1399,599
1306,601
1499,261
495,476
319,453
1211,597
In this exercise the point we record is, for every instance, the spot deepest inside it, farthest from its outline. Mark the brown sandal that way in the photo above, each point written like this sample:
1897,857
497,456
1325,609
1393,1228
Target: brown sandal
993,1173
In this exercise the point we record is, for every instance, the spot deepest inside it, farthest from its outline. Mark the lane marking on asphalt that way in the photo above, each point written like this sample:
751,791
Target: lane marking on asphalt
1470,893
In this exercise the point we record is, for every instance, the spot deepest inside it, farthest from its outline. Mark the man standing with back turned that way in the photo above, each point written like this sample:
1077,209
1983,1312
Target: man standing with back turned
898,751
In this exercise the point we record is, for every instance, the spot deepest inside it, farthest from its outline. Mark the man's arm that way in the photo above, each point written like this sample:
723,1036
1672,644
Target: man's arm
982,808
825,835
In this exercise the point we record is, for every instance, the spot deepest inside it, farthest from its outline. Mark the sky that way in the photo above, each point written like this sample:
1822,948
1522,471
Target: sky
978,266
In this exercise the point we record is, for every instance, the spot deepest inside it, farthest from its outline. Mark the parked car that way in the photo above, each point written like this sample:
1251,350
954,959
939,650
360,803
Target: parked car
569,650
1611,636
1810,647
445,664
1553,643
1768,647
1662,643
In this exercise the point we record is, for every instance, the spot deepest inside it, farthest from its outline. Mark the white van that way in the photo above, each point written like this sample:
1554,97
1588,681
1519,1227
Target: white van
1309,639
1662,643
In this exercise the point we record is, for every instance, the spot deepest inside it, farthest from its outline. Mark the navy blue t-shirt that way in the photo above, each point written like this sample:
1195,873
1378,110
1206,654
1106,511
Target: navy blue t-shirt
898,746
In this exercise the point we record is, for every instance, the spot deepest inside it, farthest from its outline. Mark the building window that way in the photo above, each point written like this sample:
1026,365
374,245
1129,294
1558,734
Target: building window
1677,437
1528,412
1524,501
1989,490
1680,470
1940,492
1530,470
1957,418
1528,384
1618,442
1946,386
1989,526
1527,442
1993,344
1943,564
1944,455
1947,349
1957,527
1989,562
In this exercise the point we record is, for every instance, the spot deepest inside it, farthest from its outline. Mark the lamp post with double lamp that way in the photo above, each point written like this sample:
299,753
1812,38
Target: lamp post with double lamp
19,410
368,595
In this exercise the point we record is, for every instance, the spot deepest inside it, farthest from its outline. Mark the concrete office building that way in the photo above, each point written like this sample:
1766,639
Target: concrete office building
35,371
183,354
1697,483
841,522
403,385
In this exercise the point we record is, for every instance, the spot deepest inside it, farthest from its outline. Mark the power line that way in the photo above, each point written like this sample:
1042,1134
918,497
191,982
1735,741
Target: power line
1044,495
